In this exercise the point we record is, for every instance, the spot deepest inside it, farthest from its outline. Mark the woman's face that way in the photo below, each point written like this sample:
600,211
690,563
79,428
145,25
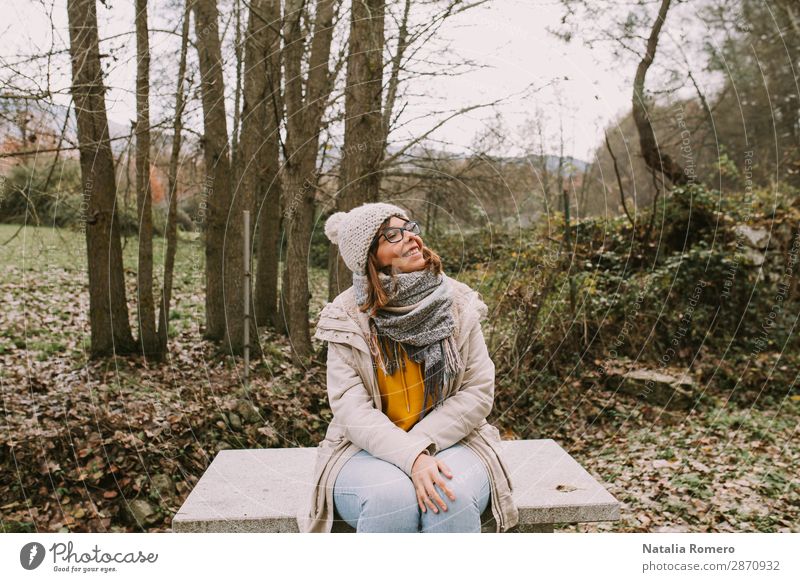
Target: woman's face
397,254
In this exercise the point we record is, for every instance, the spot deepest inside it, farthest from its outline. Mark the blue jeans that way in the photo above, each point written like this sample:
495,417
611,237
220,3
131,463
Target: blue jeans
373,495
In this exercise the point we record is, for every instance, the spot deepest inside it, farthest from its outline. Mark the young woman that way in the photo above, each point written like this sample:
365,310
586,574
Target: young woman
410,383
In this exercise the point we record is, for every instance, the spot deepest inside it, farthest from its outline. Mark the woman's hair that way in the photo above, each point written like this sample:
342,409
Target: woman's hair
376,295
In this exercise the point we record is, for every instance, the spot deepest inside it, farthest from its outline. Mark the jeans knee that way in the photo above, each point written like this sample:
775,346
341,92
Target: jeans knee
391,498
467,488
466,500
463,514
390,508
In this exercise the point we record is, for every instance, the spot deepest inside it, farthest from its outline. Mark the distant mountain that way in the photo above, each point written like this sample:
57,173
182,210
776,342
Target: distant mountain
551,163
407,160
50,119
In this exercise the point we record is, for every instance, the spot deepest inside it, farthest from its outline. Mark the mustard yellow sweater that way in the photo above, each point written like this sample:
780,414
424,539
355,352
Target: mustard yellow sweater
402,392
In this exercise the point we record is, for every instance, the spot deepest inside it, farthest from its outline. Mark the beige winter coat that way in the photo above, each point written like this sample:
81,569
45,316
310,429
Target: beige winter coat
358,422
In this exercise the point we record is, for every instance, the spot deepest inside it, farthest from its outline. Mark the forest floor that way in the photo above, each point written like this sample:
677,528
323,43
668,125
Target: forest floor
117,444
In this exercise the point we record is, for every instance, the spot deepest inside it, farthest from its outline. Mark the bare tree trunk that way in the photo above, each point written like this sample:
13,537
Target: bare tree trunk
108,308
172,216
560,179
364,139
434,228
148,339
571,249
218,169
126,198
587,175
653,157
259,136
268,190
394,75
543,160
237,94
304,111
619,183
232,239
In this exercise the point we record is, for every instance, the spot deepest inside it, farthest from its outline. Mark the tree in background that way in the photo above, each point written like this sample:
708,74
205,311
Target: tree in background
108,308
245,168
739,61
172,172
306,98
756,48
364,142
268,111
224,228
217,188
148,336
655,159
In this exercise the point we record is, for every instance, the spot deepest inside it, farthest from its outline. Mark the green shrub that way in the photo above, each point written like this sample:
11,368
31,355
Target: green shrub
692,292
49,194
34,194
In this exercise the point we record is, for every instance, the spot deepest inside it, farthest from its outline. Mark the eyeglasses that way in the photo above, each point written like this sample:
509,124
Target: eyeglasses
395,233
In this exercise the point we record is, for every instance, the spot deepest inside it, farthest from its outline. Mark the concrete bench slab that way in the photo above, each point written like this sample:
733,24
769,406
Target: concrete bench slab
262,490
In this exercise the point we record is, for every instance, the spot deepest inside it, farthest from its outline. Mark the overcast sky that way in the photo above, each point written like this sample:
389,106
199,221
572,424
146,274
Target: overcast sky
509,37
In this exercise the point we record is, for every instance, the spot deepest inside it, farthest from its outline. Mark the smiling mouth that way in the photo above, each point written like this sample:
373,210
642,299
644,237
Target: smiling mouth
413,253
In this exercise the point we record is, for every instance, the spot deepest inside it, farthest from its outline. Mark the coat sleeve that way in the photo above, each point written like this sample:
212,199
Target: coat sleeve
366,426
462,412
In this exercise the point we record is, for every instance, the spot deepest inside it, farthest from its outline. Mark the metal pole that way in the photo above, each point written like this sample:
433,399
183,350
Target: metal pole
246,298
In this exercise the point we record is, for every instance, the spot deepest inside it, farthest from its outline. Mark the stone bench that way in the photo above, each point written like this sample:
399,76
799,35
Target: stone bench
262,490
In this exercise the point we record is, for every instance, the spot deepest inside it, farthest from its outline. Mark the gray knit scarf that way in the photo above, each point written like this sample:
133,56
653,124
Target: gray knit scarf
418,316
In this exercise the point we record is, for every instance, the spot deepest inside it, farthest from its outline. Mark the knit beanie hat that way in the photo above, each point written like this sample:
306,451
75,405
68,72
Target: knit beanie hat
354,231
